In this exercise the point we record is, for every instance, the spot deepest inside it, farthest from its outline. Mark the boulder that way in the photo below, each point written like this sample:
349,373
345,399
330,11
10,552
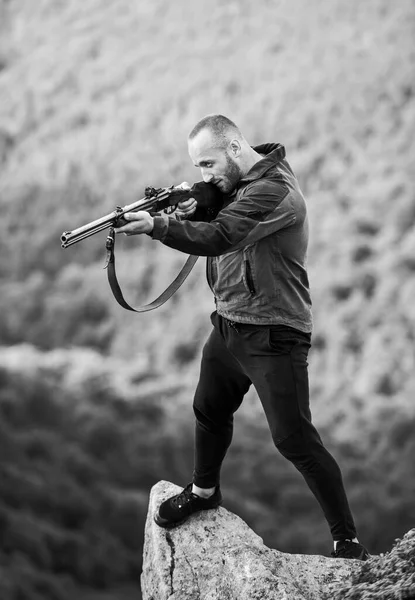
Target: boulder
214,555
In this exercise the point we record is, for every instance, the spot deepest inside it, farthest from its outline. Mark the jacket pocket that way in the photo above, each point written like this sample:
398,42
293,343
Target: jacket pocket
228,278
210,272
249,278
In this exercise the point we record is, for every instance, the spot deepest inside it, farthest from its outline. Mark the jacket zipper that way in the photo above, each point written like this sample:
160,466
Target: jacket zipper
249,278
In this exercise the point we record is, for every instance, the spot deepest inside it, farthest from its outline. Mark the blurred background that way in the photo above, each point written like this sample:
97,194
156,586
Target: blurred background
96,101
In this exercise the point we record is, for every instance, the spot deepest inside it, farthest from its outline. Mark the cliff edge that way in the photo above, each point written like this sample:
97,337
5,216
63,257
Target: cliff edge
216,556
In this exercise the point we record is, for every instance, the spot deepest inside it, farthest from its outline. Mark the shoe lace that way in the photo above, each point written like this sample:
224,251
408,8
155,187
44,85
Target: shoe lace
184,497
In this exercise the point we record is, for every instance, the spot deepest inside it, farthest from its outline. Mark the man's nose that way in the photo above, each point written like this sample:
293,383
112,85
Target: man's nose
207,177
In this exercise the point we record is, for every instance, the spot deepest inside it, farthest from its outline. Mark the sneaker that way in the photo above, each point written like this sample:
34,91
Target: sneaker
178,508
349,549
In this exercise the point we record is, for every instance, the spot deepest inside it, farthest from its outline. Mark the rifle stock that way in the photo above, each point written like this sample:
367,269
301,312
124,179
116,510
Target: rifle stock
155,200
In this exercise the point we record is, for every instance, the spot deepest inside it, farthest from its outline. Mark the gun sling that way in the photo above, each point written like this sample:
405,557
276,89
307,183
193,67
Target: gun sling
160,300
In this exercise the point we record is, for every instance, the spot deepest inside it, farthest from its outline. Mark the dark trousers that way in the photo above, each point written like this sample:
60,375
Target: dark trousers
273,359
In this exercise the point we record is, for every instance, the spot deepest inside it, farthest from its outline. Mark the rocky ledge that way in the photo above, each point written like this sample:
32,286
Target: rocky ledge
216,556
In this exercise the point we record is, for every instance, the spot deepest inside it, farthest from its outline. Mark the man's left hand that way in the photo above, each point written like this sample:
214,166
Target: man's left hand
138,222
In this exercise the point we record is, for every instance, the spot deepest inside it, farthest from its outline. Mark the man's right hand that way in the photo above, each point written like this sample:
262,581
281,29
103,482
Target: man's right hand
186,208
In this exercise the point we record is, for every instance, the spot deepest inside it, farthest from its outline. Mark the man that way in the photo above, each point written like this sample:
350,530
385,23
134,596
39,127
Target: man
256,267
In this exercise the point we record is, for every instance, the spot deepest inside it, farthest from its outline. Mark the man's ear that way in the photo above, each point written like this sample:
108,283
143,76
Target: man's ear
236,148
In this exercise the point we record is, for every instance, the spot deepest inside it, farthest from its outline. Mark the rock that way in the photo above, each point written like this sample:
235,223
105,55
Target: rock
216,556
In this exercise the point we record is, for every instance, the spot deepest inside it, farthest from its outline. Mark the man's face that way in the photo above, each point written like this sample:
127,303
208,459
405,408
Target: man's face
217,165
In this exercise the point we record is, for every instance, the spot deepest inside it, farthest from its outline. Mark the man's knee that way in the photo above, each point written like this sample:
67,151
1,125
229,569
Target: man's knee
299,445
308,453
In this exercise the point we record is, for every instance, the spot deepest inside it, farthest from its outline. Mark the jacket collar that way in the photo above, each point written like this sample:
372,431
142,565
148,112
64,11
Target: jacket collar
273,154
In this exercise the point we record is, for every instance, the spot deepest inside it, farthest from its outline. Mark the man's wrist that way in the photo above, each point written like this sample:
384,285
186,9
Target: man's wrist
160,227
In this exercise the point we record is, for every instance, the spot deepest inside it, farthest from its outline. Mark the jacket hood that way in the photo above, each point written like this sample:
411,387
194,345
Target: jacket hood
274,153
270,148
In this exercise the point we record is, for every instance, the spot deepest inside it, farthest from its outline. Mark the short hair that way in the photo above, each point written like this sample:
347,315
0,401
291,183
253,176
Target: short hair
222,129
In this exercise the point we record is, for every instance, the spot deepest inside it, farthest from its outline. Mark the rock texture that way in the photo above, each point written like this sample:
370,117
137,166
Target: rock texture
216,556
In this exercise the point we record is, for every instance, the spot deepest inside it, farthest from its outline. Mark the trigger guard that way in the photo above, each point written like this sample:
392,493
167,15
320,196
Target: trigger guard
170,209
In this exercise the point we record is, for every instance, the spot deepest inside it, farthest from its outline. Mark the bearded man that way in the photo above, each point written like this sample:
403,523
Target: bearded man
256,249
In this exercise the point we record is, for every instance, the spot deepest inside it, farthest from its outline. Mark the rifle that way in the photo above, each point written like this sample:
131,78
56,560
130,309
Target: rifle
209,202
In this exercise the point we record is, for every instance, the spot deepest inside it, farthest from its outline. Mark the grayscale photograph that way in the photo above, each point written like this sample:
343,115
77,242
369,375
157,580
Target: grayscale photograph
207,305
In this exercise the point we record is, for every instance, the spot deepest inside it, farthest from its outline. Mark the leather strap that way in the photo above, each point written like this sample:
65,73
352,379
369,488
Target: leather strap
160,300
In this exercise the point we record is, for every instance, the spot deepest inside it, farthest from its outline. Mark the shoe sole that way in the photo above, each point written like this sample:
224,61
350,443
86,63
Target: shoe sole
362,556
166,524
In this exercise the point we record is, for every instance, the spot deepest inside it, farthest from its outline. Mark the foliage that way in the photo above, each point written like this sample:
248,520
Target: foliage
75,476
390,576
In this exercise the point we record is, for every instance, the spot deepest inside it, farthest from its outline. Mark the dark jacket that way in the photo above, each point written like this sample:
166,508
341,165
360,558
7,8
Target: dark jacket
256,246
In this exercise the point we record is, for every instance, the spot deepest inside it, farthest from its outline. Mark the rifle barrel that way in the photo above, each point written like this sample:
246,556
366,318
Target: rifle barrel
156,202
68,238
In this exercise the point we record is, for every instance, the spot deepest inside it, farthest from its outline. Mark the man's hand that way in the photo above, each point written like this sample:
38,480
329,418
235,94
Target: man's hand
186,208
138,222
143,222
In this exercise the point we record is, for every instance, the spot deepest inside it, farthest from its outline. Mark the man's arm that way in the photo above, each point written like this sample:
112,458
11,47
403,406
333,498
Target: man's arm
264,209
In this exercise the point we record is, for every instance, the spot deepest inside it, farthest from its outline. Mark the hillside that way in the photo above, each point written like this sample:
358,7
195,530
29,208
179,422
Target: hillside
96,100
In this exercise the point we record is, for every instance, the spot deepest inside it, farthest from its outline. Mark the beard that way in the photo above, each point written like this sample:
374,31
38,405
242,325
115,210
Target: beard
231,177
